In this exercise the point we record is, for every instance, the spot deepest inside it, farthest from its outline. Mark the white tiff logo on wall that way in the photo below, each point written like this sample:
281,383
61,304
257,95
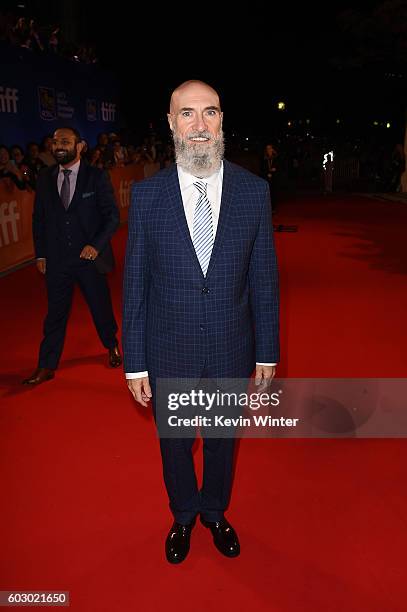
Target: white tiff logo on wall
8,100
108,111
124,193
9,216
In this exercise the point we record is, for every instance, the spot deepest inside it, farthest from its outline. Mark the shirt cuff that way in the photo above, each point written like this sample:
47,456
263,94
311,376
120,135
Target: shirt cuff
131,375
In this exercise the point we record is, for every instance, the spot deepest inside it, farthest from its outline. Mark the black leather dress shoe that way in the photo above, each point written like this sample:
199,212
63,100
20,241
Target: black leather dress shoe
39,376
115,359
177,542
224,537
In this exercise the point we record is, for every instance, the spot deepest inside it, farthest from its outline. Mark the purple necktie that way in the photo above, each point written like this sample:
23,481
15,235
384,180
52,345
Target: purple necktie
66,189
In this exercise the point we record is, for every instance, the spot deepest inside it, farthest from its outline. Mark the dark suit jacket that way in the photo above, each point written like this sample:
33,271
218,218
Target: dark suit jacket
176,322
95,205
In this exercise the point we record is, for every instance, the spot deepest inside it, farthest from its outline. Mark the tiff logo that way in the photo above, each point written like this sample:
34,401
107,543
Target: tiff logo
8,100
108,111
8,220
124,193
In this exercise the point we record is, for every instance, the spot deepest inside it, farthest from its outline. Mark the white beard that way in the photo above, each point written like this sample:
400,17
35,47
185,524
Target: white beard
199,159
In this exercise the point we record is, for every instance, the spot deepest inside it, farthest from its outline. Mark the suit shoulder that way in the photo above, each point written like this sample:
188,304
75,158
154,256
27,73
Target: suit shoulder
47,171
96,173
245,176
148,190
154,181
45,176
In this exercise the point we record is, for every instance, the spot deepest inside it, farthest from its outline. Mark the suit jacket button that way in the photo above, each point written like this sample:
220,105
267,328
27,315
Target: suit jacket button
205,290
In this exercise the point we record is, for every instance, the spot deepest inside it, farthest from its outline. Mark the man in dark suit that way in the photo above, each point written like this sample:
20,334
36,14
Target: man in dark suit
200,298
75,215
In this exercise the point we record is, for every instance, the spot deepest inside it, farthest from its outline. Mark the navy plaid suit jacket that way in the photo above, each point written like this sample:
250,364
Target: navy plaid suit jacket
176,322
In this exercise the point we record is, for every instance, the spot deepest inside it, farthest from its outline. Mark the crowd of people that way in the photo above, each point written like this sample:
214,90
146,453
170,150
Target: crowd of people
110,152
22,166
286,164
293,163
27,33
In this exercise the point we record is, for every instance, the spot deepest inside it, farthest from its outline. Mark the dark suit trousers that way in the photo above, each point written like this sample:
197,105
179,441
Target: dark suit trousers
186,500
60,285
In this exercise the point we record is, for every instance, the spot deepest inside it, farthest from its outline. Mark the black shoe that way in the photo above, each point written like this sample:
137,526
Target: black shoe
177,542
115,359
39,376
224,537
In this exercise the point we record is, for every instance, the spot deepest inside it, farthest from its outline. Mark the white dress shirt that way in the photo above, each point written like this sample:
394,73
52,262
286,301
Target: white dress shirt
189,195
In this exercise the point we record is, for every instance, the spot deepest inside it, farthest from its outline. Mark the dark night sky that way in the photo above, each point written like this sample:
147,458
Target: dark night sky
254,56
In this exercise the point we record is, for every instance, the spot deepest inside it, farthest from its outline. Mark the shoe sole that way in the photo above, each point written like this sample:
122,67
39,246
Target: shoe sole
229,556
34,383
176,561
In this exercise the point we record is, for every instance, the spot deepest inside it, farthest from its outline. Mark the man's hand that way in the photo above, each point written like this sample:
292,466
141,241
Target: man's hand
264,376
89,252
41,265
140,389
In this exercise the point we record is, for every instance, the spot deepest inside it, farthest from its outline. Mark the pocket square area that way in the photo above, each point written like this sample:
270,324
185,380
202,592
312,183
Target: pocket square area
88,194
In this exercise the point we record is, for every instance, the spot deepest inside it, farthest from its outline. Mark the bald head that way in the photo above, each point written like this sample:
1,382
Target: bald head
194,90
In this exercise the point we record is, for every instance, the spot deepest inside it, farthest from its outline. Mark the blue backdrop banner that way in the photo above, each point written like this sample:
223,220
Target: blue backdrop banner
40,92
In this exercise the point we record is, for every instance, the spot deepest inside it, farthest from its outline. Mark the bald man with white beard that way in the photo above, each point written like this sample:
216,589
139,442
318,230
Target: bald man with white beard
200,298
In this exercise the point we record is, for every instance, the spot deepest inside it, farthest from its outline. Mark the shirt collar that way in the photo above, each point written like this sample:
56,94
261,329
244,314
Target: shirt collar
187,180
74,169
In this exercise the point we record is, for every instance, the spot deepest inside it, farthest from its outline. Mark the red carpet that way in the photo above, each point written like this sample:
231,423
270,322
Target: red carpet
322,523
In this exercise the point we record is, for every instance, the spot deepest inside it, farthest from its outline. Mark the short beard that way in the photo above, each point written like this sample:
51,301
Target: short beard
199,159
67,158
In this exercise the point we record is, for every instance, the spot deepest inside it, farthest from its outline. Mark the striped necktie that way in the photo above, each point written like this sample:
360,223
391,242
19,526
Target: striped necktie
202,231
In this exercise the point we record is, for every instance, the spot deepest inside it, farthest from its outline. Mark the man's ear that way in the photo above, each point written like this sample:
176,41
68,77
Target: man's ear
169,117
80,146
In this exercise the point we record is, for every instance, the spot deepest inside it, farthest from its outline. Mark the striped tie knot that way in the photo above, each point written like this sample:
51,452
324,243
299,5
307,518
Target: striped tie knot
201,186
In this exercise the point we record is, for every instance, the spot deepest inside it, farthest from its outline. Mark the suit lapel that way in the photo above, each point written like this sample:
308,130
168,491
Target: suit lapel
54,183
178,212
79,185
224,213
